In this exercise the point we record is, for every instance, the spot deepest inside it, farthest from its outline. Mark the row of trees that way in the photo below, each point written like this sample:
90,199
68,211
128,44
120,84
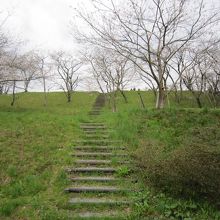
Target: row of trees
169,45
19,68
172,45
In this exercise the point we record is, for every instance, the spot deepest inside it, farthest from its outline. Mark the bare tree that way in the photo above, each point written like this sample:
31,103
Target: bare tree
111,71
44,68
27,64
150,32
67,68
195,76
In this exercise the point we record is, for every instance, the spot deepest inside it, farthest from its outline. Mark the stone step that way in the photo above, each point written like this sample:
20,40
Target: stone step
94,178
94,114
100,215
99,148
98,154
97,132
95,189
97,201
98,162
92,127
92,124
93,162
95,110
96,107
98,136
96,141
91,169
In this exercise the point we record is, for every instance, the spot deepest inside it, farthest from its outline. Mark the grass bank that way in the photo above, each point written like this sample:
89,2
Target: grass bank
176,155
35,147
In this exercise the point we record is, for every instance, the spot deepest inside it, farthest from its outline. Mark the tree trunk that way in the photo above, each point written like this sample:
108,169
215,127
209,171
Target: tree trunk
113,101
142,101
45,92
26,84
13,93
123,95
160,98
199,102
68,96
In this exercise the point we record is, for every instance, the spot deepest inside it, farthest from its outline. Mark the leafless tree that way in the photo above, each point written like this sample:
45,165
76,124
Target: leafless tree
148,31
213,76
27,64
44,68
196,75
67,67
111,71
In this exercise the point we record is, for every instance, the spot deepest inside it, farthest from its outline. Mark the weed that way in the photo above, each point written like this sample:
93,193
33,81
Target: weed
123,171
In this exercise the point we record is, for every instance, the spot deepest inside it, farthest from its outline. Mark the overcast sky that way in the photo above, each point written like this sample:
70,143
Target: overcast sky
44,23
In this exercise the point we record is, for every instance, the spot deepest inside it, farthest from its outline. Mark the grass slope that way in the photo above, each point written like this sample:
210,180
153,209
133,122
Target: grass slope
177,157
35,146
36,142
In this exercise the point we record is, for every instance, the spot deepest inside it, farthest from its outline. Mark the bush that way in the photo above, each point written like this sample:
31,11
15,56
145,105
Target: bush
191,171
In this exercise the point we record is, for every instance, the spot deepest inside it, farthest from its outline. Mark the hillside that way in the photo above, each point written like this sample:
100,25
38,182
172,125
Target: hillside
175,155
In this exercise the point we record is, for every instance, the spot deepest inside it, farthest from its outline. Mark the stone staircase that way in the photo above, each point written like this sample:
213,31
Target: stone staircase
97,190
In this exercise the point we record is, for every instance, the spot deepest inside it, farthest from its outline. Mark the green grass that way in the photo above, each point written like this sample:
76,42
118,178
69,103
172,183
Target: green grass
36,145
35,148
176,154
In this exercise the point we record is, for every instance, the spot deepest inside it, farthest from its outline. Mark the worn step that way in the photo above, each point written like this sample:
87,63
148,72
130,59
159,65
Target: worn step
97,141
95,111
98,154
100,216
100,148
100,162
98,136
94,114
91,169
95,189
97,132
94,162
97,201
94,178
92,126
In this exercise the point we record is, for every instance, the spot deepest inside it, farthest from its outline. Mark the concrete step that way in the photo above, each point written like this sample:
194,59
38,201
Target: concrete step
99,148
93,162
92,169
100,216
97,132
95,111
96,141
97,201
94,178
92,127
98,162
94,189
92,124
97,136
98,154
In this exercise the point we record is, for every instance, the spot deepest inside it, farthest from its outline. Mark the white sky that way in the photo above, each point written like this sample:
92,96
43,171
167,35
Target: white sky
43,23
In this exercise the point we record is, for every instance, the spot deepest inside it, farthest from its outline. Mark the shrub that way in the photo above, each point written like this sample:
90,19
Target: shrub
191,171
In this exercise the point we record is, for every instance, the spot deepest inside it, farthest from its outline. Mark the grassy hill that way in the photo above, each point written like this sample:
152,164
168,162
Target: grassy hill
35,147
175,151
